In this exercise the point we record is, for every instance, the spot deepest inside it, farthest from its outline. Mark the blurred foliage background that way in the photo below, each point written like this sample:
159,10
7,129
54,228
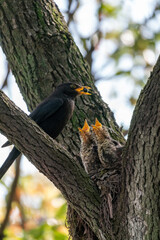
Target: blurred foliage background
121,42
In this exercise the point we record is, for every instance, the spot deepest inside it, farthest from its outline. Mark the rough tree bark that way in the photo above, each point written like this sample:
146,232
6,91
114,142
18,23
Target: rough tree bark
142,186
42,54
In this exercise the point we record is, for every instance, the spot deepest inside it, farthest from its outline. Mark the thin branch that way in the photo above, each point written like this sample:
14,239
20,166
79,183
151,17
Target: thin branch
71,14
10,199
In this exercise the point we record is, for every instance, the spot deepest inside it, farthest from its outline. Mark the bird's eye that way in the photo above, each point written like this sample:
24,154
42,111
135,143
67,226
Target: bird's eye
85,90
73,86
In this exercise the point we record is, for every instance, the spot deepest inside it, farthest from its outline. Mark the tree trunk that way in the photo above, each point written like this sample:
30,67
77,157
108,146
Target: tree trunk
142,160
42,54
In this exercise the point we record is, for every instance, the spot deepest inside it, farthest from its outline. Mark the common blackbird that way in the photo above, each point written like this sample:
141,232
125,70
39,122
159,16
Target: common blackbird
108,148
88,150
51,115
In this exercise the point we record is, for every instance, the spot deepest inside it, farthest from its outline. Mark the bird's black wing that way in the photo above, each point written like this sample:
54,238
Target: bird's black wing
46,109
8,162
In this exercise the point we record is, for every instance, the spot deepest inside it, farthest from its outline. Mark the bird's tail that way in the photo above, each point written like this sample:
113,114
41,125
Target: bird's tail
6,144
10,159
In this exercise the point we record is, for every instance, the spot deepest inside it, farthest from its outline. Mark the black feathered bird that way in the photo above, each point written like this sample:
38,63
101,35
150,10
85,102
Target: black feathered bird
51,115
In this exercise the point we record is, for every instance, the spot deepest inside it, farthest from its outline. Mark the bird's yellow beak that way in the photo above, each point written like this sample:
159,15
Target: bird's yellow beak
83,90
86,127
97,125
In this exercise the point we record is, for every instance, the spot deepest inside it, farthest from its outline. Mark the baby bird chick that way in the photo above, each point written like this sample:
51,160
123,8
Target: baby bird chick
88,150
108,149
